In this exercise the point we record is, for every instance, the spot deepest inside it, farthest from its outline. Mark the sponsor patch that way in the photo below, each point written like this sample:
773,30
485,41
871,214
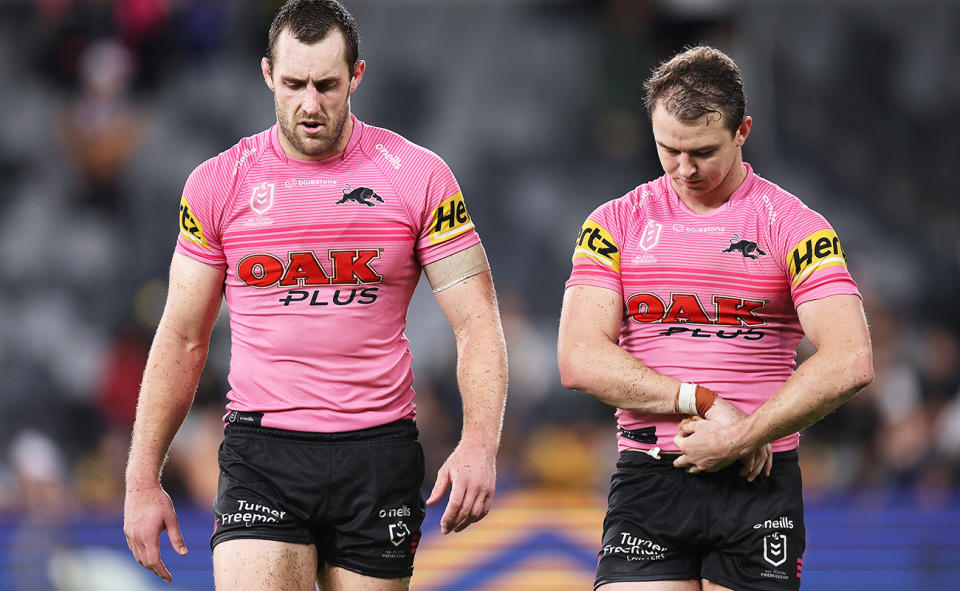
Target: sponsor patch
190,226
596,243
817,251
450,219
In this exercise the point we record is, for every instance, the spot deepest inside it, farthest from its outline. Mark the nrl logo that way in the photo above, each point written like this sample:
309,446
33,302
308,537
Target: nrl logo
398,532
775,548
261,199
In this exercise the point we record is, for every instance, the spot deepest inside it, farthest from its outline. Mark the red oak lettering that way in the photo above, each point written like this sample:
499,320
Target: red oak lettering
350,267
687,308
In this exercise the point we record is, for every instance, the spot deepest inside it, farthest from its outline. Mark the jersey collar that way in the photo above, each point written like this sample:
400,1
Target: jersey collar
358,127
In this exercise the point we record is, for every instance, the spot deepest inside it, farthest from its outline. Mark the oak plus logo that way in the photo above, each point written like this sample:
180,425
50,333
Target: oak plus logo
261,198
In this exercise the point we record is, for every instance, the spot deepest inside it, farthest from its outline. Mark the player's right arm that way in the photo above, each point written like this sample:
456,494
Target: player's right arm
591,361
176,360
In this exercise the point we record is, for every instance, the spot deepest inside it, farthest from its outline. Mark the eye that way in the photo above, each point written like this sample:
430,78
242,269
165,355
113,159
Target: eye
294,84
704,154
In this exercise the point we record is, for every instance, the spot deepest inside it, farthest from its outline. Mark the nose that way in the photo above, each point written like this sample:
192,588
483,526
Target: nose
687,167
311,101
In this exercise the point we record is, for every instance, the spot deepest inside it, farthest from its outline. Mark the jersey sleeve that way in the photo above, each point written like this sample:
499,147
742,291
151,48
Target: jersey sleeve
596,252
445,225
814,262
199,228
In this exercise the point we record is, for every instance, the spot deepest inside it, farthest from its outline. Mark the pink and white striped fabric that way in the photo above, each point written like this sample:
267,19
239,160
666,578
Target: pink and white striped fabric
321,261
711,299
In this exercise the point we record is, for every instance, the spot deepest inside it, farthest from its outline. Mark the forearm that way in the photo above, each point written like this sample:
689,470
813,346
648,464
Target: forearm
169,382
482,378
608,373
821,384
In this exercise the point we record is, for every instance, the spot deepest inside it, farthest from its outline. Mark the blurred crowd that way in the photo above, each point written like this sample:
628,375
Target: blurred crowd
107,105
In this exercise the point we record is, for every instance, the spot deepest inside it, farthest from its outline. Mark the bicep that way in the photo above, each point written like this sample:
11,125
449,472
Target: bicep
193,298
590,313
836,321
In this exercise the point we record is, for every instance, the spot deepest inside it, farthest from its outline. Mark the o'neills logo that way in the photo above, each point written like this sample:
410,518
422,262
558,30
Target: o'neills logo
343,267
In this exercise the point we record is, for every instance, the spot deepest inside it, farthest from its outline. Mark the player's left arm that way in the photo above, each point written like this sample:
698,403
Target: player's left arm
464,290
841,366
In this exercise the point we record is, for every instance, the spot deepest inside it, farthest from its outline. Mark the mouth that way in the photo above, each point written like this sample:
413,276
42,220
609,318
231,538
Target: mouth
311,127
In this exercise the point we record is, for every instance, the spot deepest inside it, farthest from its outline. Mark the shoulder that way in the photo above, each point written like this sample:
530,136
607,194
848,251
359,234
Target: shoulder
633,206
779,206
397,156
233,163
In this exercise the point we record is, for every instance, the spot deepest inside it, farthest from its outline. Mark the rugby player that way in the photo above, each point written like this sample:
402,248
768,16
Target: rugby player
686,303
315,232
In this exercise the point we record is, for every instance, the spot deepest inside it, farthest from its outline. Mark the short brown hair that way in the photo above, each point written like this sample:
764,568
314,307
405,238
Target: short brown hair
695,82
310,21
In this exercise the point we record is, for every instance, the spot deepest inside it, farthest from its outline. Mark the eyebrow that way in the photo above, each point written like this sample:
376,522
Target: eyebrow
701,149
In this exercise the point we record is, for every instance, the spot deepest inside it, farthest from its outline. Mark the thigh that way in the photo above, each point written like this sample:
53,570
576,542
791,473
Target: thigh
758,530
335,578
653,526
264,565
261,493
377,511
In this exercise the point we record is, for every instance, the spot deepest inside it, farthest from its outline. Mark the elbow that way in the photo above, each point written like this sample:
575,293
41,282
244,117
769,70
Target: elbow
859,369
573,373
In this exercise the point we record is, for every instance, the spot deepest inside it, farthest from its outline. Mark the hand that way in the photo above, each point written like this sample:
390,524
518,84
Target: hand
471,470
705,445
756,460
146,513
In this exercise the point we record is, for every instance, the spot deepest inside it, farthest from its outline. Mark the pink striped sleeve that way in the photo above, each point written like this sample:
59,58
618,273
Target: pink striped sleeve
596,253
815,263
199,226
445,225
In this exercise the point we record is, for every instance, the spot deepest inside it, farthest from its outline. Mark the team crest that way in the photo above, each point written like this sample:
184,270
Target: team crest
364,195
748,248
651,235
261,199
775,548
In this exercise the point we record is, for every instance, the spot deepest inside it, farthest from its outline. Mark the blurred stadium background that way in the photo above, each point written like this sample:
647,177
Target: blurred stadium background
107,105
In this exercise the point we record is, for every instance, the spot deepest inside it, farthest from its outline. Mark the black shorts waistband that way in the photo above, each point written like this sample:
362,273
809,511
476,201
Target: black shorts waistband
666,458
249,422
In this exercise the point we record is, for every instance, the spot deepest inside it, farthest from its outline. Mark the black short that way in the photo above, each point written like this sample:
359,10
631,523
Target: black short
663,524
355,495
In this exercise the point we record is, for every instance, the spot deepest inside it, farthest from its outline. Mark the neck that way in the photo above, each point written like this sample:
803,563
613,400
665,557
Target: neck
708,202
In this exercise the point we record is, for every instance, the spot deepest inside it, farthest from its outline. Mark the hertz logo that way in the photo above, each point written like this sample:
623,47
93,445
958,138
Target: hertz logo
450,219
817,251
189,225
596,243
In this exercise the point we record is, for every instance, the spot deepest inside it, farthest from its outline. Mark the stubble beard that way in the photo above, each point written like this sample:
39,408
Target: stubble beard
317,145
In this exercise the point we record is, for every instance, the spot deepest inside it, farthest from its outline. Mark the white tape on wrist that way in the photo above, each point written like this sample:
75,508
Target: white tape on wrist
687,401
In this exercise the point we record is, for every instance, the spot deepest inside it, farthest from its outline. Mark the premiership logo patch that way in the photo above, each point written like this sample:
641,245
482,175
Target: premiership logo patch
651,235
190,226
261,198
817,251
596,243
775,548
450,219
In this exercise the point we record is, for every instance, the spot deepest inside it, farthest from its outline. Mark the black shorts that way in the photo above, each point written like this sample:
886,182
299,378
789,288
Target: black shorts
355,495
663,524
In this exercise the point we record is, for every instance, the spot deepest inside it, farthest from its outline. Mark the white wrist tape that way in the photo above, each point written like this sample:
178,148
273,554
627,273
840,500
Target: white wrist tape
687,400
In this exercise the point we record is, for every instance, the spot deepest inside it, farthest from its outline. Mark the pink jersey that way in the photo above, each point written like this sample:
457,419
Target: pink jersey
321,261
710,299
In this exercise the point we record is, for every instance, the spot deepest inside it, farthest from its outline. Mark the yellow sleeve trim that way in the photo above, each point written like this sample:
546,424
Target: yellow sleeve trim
817,251
597,243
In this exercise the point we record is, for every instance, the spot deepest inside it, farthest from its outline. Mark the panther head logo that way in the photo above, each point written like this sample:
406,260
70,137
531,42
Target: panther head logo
359,195
745,247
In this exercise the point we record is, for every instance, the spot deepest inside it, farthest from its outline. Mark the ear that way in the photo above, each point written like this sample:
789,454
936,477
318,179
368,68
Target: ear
743,131
267,73
358,69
